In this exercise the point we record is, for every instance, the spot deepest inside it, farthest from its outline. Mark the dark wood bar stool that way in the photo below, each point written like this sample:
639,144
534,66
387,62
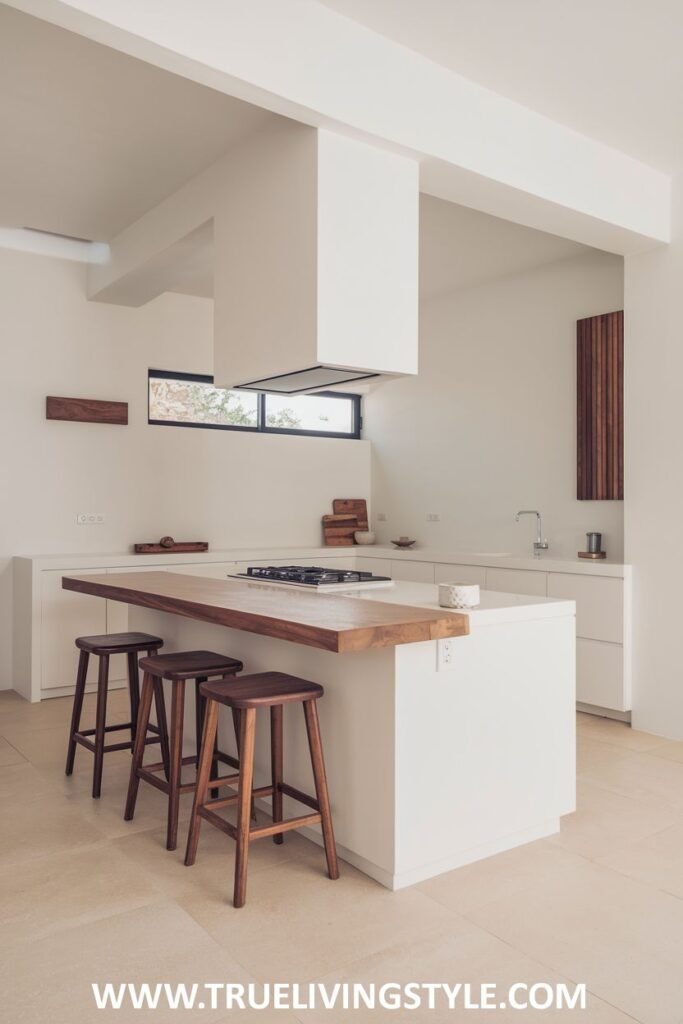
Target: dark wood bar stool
265,690
130,644
178,668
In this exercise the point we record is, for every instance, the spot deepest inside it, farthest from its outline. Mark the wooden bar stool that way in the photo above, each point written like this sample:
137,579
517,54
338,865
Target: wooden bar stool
130,644
246,695
178,668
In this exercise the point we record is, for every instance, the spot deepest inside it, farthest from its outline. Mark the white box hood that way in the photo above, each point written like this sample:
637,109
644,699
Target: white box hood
315,263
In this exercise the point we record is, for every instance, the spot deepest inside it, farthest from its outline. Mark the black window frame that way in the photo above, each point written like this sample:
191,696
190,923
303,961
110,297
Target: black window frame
261,410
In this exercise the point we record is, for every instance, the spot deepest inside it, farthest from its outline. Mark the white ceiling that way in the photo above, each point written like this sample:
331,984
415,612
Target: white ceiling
611,69
93,138
459,248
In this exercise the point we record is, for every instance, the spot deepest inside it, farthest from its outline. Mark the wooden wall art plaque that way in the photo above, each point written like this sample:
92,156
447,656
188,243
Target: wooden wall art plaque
86,410
600,407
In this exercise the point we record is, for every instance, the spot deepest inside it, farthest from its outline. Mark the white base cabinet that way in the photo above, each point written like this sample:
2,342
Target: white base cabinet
48,618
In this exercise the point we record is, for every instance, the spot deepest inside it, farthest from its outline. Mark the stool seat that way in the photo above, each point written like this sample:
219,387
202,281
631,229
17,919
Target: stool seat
190,665
178,668
102,647
245,696
118,643
262,690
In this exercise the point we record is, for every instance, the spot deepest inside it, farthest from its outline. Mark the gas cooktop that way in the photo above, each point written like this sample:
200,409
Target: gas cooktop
311,577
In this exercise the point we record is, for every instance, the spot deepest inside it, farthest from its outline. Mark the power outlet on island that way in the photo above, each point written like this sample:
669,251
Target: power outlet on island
445,655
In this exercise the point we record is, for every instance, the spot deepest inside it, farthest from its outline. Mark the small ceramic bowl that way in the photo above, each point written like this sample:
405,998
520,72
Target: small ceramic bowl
364,537
403,542
459,595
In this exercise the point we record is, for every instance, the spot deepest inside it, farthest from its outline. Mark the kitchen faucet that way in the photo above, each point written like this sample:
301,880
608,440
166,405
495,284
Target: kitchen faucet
539,544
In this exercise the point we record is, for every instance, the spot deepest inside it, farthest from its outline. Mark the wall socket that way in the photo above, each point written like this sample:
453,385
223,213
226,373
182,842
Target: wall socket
382,517
445,654
433,517
90,518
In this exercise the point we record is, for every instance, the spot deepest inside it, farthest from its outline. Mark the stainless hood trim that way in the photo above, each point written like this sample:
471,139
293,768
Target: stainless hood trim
266,383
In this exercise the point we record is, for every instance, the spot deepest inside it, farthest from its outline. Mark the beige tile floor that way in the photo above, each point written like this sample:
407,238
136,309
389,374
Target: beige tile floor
86,897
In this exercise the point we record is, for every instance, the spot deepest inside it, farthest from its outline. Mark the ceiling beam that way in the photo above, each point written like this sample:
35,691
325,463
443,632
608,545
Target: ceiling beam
476,147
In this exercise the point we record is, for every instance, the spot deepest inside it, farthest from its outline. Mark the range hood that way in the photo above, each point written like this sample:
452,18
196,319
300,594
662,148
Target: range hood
315,264
302,382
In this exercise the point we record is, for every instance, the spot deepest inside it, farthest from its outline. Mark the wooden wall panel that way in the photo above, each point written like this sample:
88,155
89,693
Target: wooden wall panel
600,407
86,410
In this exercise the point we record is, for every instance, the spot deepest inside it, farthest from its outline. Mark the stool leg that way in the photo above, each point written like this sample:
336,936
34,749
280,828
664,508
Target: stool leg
160,705
203,777
100,723
276,765
177,716
139,748
318,763
246,782
134,690
200,712
237,725
77,709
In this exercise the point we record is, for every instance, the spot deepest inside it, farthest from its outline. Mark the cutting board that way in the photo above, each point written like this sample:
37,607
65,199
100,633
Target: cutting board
353,506
339,529
180,547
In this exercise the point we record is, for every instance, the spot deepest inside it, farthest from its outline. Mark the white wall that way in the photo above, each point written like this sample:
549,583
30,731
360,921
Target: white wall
222,486
654,477
489,425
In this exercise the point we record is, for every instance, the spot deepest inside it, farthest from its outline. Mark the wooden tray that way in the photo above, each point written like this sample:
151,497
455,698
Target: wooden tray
179,547
338,530
353,506
592,554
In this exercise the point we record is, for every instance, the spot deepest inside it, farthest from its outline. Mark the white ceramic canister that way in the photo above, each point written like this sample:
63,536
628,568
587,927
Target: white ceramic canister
459,595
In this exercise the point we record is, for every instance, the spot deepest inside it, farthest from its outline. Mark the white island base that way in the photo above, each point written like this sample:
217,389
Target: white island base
430,766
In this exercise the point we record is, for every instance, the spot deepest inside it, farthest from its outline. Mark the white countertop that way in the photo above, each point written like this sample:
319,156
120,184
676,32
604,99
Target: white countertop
494,607
545,563
501,560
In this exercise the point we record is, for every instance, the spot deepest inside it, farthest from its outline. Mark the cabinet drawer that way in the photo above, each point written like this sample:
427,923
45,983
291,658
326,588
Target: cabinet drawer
460,574
66,614
600,675
378,566
599,604
517,581
414,572
117,618
212,570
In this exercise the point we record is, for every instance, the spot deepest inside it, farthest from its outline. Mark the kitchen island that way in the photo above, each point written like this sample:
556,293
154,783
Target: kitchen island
449,736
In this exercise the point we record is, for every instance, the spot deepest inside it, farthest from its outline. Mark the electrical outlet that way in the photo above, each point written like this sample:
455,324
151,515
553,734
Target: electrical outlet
90,518
445,654
382,517
433,517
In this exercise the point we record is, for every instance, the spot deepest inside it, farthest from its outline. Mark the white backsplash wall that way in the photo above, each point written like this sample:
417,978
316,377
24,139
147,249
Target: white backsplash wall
229,488
489,425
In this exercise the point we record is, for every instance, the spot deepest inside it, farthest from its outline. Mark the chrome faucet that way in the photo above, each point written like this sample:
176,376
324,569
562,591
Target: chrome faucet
540,544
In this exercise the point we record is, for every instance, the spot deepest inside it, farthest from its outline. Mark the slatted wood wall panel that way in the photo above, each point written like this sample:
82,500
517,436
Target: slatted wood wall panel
600,407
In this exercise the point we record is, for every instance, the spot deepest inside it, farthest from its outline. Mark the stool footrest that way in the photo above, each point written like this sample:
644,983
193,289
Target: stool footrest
207,809
79,737
284,826
218,822
230,801
226,759
107,728
296,794
149,776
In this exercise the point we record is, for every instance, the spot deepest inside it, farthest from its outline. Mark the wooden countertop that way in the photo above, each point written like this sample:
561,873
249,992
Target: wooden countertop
328,621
